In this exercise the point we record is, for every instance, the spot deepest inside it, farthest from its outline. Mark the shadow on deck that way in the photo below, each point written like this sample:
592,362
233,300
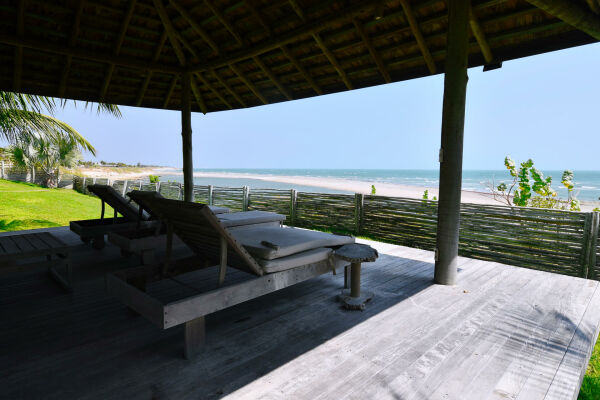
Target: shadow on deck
503,332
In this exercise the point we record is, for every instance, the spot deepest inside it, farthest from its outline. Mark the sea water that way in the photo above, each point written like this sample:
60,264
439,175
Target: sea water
587,183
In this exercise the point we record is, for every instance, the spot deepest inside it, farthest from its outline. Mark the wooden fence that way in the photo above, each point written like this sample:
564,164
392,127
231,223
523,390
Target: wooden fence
558,241
34,175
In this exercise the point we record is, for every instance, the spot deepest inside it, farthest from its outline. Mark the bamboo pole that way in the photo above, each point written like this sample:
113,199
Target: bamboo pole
186,135
453,121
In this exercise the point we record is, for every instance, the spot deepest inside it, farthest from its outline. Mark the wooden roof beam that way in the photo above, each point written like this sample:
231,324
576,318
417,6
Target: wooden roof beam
331,57
198,96
414,26
302,70
170,91
229,88
142,92
18,67
573,14
301,32
171,31
480,37
258,17
273,78
250,85
221,17
594,6
297,9
117,49
195,26
374,54
206,83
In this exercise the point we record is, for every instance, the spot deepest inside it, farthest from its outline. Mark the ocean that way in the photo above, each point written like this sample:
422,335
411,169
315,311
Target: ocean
587,183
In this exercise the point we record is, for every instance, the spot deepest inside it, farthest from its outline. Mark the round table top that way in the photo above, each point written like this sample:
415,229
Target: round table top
356,252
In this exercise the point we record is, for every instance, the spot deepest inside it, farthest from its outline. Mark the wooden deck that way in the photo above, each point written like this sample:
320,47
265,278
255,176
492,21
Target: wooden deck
503,332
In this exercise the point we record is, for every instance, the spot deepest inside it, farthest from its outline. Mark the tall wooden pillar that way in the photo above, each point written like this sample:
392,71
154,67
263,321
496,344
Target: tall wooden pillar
451,152
186,136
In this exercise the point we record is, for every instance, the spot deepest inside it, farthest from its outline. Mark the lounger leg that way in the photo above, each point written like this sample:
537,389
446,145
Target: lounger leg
98,242
67,284
194,336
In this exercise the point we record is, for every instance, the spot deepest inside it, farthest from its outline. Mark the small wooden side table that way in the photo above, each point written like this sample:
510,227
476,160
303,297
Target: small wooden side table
356,254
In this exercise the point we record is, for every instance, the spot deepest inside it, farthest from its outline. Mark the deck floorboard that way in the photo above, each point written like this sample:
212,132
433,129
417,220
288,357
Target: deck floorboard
502,332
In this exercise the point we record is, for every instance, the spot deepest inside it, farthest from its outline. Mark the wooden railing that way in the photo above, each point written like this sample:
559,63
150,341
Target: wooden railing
564,242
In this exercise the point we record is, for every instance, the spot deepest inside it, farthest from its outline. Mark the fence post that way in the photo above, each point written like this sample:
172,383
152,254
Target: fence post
2,168
180,191
210,195
246,198
293,206
124,187
592,247
359,200
586,245
157,187
83,189
33,174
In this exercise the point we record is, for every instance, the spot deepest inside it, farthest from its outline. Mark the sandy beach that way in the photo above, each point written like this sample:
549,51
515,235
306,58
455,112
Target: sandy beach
127,172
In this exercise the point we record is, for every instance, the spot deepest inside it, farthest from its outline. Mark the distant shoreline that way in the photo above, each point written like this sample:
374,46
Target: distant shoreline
341,184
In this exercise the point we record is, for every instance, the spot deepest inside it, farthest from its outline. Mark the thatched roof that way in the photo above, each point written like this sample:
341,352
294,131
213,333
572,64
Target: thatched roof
246,53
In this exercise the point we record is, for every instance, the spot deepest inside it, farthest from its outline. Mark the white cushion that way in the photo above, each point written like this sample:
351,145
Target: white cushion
269,243
249,218
295,260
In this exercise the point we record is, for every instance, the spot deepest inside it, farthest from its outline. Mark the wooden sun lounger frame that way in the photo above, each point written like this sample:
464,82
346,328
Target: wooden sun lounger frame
129,285
94,229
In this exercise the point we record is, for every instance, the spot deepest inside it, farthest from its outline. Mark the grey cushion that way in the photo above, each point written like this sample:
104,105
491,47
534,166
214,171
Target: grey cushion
218,210
249,218
295,260
269,243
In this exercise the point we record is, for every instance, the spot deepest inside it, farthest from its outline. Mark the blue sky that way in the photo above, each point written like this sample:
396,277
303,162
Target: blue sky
543,107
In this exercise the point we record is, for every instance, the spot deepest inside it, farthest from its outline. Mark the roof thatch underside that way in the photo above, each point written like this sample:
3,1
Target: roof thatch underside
245,53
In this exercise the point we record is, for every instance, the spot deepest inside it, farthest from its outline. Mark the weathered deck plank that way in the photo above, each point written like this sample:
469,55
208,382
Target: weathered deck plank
501,332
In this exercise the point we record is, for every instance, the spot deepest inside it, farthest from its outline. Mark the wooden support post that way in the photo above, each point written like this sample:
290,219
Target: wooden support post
194,336
246,200
451,152
293,204
359,200
186,135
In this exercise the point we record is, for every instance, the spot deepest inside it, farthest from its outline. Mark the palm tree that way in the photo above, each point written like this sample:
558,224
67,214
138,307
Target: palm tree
30,117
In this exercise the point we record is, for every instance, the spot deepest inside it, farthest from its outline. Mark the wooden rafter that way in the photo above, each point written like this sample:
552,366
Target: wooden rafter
414,26
228,88
117,49
170,91
302,70
210,87
594,6
18,68
195,26
297,9
198,96
171,31
272,77
374,54
256,14
276,42
331,57
156,56
248,83
573,14
221,17
74,32
480,37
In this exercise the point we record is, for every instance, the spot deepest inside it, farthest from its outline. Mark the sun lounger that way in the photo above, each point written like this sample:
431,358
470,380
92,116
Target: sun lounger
145,241
26,251
94,229
276,257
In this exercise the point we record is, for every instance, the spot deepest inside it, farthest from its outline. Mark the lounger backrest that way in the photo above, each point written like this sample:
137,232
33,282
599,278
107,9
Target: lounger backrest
114,199
142,198
198,227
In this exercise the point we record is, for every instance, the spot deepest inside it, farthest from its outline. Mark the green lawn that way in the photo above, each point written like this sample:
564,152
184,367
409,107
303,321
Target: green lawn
28,206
